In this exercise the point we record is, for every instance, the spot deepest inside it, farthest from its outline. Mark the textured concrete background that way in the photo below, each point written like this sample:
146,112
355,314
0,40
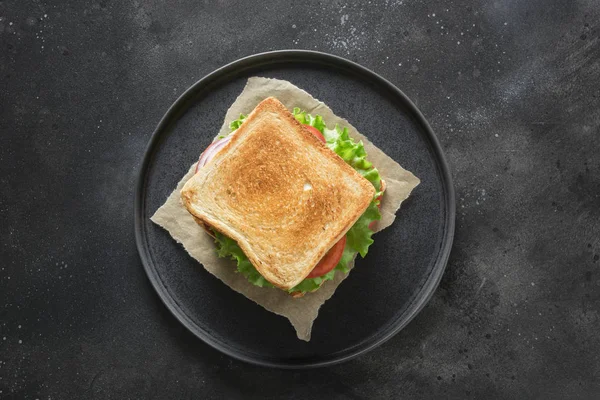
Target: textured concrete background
512,88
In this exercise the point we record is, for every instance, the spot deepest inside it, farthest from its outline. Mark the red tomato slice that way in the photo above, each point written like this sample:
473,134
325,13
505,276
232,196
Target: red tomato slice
329,260
315,132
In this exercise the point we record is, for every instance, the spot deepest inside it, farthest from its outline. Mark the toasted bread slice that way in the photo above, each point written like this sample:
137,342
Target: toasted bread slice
280,193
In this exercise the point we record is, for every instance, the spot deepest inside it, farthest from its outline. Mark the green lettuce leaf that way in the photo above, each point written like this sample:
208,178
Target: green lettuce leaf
307,119
312,284
347,256
358,238
227,247
236,124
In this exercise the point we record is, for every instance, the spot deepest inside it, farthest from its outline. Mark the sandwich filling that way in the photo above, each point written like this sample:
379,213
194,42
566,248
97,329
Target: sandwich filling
357,239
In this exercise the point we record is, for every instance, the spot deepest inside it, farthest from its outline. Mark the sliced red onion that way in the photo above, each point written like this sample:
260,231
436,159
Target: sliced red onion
212,151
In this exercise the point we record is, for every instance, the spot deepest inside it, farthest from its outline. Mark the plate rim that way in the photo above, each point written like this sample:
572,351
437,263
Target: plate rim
277,57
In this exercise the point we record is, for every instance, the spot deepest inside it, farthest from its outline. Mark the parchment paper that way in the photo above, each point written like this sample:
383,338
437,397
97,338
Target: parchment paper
301,312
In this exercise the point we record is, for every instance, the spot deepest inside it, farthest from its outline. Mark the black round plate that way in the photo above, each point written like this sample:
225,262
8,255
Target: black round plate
385,290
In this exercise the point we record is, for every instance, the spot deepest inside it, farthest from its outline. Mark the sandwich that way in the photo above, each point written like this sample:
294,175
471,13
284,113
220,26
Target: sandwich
287,198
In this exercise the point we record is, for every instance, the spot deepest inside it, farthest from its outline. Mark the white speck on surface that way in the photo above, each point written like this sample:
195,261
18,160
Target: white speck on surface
294,26
307,186
20,341
496,135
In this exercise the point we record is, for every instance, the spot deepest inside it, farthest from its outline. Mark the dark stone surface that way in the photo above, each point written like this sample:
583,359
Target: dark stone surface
512,90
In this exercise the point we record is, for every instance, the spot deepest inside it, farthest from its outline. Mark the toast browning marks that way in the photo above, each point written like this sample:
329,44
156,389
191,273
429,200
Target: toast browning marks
280,193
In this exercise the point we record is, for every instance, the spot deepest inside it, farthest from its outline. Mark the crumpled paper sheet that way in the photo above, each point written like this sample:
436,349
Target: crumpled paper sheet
301,312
